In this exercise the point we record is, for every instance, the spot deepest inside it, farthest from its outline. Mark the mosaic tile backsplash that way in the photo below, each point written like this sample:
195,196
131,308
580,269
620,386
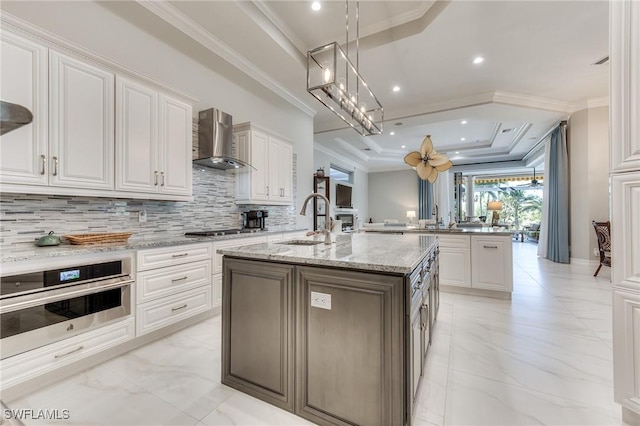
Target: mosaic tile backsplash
23,218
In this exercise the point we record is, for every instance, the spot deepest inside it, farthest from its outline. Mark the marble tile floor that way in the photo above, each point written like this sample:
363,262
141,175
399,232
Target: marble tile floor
543,358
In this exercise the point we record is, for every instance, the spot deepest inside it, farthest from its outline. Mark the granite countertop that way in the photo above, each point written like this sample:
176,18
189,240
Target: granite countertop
415,230
397,254
28,251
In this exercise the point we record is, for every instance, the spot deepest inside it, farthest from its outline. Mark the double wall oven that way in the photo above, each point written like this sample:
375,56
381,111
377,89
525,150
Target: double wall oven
46,306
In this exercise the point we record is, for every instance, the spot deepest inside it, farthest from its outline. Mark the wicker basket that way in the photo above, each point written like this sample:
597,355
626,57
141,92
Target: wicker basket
113,237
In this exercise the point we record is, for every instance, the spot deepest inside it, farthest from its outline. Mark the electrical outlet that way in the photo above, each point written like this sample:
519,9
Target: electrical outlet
142,216
321,300
595,252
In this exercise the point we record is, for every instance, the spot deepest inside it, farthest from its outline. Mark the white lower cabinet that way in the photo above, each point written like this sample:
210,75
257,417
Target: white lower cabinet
168,310
29,365
455,260
217,262
492,265
173,283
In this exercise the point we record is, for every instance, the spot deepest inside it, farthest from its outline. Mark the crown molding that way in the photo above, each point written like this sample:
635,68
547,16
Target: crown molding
51,40
591,103
524,128
351,149
167,12
282,26
330,152
275,28
535,102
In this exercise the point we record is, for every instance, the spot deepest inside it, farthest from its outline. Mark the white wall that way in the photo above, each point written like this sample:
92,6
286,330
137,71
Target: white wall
588,146
391,194
128,34
360,194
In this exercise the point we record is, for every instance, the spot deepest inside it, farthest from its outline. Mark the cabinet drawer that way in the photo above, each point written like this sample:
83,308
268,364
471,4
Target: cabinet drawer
454,241
175,255
29,365
168,310
173,279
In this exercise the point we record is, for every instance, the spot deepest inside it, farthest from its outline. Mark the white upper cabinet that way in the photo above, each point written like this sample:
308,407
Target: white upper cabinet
136,136
93,133
174,160
23,81
82,124
153,146
624,108
270,181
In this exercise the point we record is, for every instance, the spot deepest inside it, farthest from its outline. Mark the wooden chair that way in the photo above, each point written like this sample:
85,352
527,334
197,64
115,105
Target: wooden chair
603,232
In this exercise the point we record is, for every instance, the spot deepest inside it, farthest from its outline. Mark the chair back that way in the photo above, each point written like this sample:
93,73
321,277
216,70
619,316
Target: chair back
603,232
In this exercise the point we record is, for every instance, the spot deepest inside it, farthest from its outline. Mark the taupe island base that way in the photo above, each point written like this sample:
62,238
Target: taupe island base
337,334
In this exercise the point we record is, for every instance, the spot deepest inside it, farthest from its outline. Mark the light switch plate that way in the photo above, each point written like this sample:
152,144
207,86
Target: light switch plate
321,300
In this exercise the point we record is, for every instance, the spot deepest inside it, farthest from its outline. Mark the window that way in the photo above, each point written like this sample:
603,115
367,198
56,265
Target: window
341,175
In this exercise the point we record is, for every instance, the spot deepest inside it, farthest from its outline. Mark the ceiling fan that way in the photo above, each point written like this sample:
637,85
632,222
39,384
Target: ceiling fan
534,183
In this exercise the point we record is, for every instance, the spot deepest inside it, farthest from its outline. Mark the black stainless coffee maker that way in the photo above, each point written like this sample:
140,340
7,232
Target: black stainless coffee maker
255,219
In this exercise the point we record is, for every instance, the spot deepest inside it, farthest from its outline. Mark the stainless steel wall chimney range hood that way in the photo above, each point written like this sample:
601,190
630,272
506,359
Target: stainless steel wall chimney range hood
215,141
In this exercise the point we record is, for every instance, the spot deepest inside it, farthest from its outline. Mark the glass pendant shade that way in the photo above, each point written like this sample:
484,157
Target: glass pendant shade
334,81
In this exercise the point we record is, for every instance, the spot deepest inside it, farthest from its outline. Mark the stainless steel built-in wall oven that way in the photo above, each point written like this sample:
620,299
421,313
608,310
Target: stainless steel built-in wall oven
43,307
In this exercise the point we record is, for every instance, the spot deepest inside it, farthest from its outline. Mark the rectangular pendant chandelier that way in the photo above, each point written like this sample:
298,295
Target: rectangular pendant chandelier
334,81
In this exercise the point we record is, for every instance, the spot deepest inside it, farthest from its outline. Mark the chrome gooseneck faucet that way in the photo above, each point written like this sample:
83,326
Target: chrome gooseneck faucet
303,211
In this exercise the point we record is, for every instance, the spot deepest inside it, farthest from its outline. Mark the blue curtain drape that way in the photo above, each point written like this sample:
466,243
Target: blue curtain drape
425,199
557,183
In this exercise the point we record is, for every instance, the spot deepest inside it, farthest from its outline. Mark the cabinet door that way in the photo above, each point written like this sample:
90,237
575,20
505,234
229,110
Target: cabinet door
624,75
136,137
258,312
175,147
23,81
285,172
455,266
242,149
274,190
259,160
354,343
626,343
81,107
625,230
491,263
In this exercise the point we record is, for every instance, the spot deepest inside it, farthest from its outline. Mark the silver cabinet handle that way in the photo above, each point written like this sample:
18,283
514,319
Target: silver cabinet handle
180,255
69,353
55,166
491,247
267,189
162,176
43,162
156,177
178,308
178,279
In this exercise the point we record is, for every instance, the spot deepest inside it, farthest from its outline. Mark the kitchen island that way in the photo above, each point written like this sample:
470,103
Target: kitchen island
476,261
338,333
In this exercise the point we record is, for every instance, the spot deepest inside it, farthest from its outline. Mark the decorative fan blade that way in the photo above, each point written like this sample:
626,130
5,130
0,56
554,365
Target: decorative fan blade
427,162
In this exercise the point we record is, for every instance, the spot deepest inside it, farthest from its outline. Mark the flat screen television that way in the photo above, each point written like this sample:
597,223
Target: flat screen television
343,196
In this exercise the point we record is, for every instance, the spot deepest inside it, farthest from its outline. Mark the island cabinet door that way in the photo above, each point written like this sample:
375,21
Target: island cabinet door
349,347
257,330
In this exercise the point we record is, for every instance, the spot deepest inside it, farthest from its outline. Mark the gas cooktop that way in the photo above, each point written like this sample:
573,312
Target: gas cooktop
220,232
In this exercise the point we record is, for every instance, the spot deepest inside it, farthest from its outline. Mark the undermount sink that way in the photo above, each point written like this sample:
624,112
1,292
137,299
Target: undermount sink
301,242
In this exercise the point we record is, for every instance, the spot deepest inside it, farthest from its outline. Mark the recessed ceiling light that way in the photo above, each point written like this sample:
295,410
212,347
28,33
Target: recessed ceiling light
463,139
392,133
478,60
457,152
396,88
403,146
463,122
316,5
